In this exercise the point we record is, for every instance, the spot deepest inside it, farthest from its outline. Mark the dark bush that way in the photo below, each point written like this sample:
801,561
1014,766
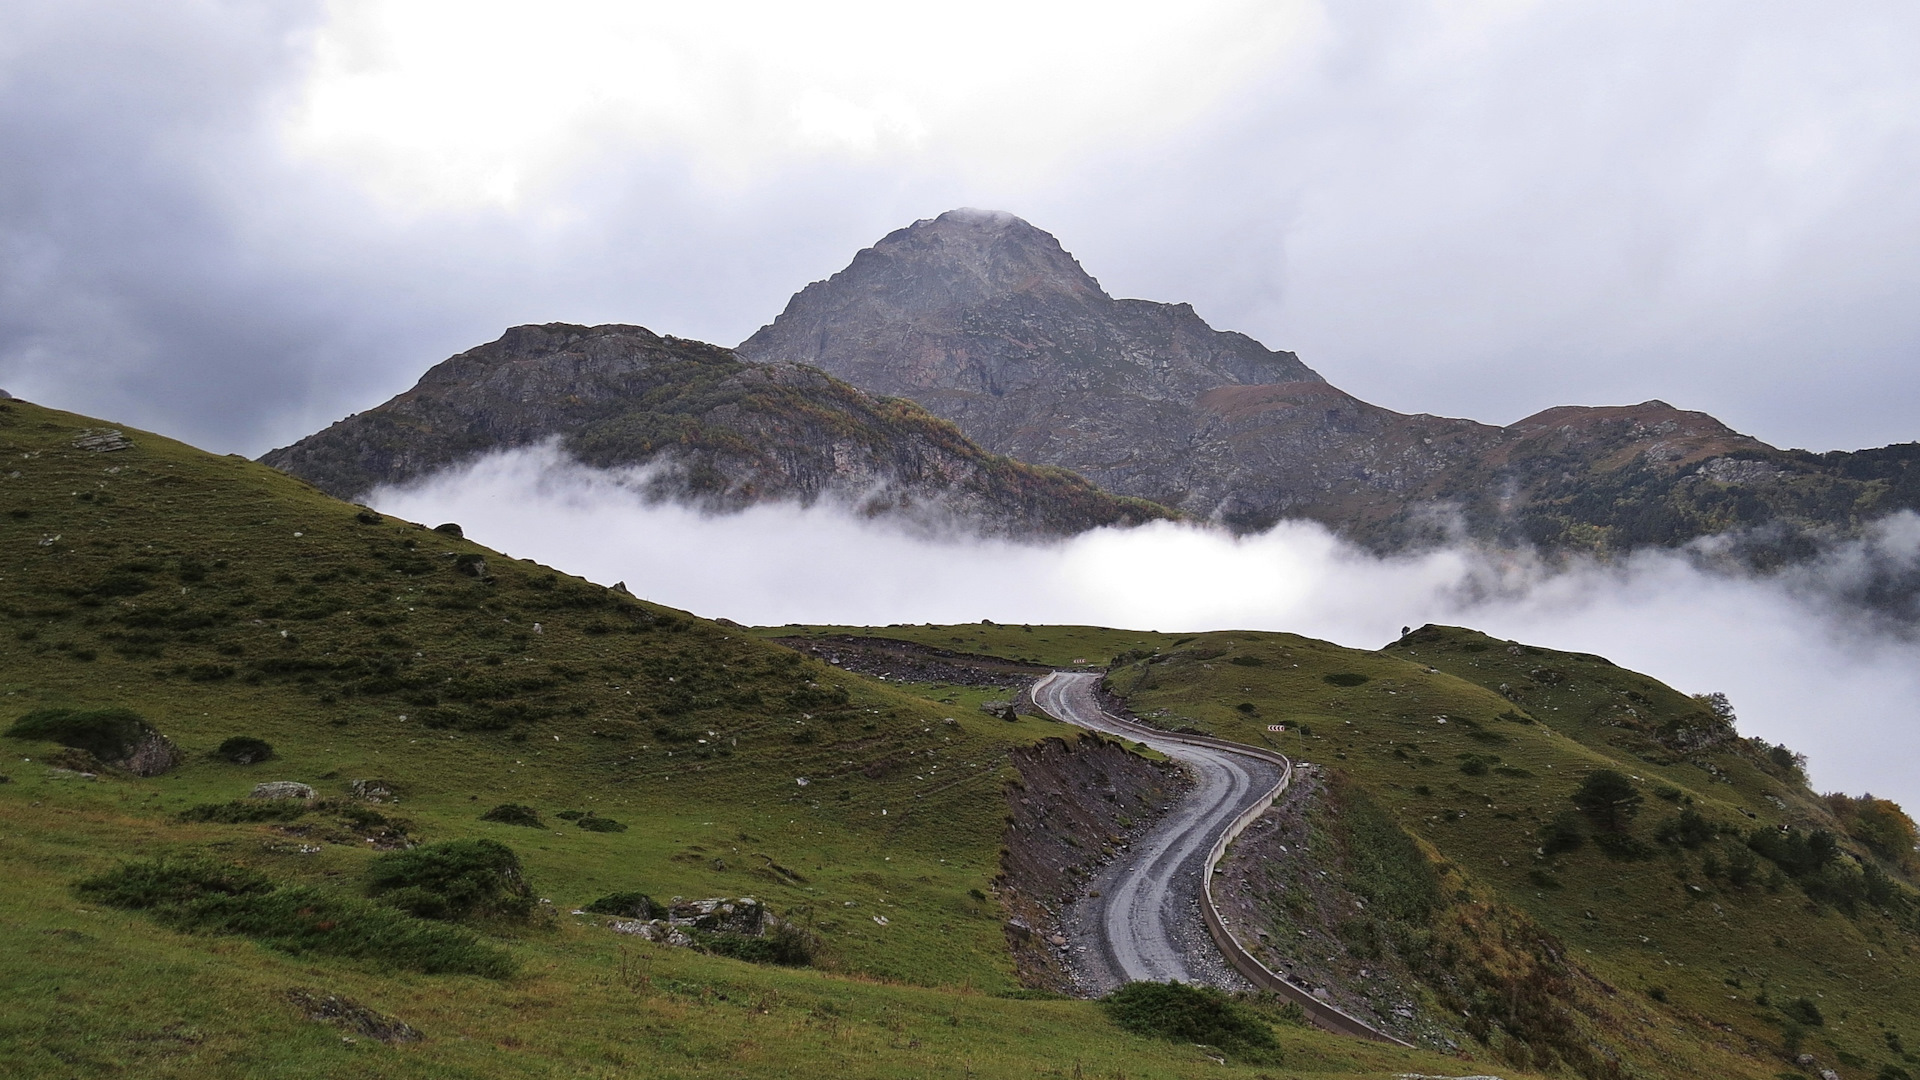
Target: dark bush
628,905
594,823
108,734
171,881
1689,829
1192,1014
1247,661
787,946
1473,766
1346,678
244,750
209,897
1608,799
571,815
242,811
455,879
1562,834
514,814
1804,1011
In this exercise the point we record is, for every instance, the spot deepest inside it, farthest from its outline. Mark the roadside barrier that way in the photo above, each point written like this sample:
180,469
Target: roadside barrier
1322,1014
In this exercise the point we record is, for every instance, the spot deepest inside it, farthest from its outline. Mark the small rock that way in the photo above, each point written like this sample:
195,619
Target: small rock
101,441
281,789
373,791
345,1013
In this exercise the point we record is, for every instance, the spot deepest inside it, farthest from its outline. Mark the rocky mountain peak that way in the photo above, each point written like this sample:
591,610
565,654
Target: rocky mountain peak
966,257
971,310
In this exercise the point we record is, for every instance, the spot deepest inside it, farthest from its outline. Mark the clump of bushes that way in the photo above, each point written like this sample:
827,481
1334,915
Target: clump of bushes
108,734
1193,1014
245,811
244,750
592,822
454,879
514,814
1608,799
205,896
785,945
628,905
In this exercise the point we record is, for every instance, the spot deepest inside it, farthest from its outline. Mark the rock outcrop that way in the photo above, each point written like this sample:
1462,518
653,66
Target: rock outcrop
715,432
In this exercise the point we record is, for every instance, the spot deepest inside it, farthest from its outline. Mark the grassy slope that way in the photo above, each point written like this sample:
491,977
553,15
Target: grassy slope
219,597
1633,927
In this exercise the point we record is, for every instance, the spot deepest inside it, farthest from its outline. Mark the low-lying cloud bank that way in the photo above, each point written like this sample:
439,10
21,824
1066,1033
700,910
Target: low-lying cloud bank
1799,661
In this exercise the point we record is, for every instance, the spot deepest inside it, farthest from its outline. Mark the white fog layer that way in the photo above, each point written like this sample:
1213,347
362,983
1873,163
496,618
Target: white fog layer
1799,670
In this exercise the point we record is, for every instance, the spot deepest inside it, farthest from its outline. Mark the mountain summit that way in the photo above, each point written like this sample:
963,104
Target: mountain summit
989,322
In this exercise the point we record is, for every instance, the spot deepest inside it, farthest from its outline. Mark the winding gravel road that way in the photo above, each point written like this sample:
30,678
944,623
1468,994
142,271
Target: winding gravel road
1147,916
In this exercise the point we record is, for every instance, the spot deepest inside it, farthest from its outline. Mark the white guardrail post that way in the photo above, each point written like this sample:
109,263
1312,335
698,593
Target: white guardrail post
1322,1014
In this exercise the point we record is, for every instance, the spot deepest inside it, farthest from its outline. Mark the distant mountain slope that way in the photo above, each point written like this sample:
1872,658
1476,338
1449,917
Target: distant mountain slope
985,320
721,433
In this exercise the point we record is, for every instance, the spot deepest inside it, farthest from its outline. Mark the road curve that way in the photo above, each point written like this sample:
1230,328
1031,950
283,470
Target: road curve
1146,912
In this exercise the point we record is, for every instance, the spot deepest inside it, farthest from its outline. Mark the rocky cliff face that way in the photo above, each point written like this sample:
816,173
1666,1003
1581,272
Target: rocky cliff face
987,321
719,433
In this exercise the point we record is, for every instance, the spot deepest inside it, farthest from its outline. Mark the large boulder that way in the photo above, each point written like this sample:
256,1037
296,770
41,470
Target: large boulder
281,789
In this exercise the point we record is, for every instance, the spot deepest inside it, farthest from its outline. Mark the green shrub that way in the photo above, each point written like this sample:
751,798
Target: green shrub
244,750
170,882
1804,1011
1192,1014
1688,829
1346,678
108,734
242,811
1563,833
455,879
628,905
1608,799
1247,661
786,946
514,814
594,823
200,895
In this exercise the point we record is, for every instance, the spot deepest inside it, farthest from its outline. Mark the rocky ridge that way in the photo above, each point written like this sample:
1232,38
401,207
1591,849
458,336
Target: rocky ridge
712,431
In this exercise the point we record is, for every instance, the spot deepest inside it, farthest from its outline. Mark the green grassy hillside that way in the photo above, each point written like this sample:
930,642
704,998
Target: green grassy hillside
1715,918
217,598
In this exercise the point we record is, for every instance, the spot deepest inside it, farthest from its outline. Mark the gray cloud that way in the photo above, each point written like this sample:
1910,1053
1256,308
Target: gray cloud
1800,667
1473,211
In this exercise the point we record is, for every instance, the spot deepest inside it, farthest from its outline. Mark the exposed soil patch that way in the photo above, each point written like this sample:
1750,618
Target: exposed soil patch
1284,889
1077,806
907,661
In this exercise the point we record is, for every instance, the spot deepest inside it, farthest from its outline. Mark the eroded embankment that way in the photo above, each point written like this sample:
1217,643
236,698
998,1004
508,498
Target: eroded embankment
892,660
1078,805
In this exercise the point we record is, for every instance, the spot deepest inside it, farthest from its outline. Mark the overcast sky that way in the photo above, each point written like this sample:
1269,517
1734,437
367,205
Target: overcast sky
235,223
